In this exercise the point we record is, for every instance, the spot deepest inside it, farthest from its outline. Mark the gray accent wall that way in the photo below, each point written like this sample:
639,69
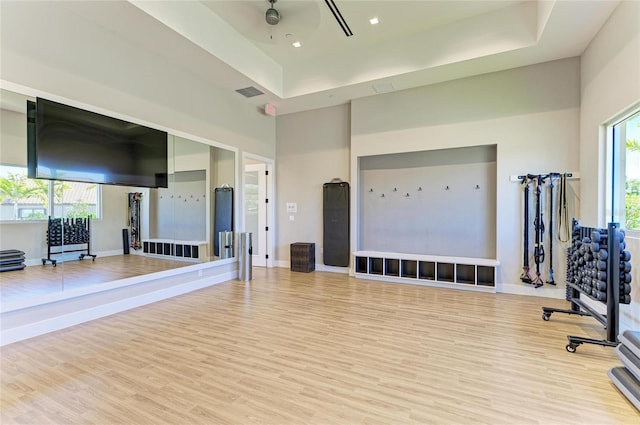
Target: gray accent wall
440,202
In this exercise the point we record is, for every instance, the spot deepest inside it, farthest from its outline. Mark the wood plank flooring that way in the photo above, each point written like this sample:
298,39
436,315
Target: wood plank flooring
317,348
45,279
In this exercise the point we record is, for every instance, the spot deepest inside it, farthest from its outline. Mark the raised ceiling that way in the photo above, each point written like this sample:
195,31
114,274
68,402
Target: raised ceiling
415,43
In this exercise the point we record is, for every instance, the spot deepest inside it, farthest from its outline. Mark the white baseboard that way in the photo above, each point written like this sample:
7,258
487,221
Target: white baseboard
318,267
38,261
547,291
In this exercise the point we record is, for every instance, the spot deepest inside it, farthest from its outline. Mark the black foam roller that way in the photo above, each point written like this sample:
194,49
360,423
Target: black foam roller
125,241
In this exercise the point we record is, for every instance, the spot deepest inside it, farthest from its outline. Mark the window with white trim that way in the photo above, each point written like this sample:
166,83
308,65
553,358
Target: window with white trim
625,175
24,199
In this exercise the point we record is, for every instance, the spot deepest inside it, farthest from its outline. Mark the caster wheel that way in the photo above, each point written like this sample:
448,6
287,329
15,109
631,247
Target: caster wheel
545,317
44,263
571,348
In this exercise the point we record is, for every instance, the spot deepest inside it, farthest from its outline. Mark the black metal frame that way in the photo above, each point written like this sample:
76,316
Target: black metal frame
578,307
53,242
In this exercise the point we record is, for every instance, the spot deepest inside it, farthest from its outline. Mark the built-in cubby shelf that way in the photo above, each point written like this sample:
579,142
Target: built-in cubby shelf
176,249
455,272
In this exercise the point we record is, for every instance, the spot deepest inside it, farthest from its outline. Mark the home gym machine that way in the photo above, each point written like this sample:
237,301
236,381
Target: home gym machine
599,267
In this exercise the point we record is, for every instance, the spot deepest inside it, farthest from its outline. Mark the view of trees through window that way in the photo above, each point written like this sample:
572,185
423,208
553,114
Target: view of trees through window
626,136
22,198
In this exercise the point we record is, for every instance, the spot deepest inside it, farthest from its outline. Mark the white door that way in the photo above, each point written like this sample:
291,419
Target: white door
255,210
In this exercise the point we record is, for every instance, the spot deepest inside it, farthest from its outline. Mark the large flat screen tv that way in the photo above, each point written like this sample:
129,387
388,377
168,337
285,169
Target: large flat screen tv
68,143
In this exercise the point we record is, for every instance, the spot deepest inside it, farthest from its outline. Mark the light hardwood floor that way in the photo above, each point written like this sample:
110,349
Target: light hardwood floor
317,348
40,279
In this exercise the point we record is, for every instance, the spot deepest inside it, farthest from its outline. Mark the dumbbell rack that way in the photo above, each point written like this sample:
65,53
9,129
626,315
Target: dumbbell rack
70,231
594,268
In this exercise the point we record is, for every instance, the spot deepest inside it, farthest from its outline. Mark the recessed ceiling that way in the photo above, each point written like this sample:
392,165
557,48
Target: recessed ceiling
312,23
415,43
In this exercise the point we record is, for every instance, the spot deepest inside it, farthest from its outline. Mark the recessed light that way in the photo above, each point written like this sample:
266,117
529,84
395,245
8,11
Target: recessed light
297,44
373,21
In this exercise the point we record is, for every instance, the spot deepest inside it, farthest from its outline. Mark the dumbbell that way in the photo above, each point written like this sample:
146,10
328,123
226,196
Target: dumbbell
599,295
600,285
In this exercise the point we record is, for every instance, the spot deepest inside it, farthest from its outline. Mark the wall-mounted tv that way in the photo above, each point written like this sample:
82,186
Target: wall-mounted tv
68,143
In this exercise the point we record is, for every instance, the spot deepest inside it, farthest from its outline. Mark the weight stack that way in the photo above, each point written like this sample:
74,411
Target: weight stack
627,378
11,259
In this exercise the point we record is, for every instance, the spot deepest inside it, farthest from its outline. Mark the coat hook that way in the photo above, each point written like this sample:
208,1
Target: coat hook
420,189
382,196
395,189
407,195
371,190
446,188
477,186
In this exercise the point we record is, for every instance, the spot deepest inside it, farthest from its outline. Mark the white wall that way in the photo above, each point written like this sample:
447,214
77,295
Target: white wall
531,114
51,47
312,149
610,84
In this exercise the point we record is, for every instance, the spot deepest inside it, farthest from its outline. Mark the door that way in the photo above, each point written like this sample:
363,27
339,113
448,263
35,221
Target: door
255,210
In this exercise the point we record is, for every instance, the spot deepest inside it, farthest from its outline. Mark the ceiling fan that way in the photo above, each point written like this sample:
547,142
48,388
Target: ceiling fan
272,16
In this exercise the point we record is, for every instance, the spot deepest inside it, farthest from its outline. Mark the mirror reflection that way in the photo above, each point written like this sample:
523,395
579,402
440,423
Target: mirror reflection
51,230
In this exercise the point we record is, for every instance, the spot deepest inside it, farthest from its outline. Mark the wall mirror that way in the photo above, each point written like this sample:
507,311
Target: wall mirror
50,230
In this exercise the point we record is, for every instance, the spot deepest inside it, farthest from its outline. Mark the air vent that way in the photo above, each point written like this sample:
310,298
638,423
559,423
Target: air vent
339,18
249,91
383,87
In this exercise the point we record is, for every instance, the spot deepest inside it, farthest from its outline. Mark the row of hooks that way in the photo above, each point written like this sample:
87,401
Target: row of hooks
407,195
186,198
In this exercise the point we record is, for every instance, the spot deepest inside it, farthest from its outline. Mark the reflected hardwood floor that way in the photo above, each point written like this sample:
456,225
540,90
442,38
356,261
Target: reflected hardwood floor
317,348
41,280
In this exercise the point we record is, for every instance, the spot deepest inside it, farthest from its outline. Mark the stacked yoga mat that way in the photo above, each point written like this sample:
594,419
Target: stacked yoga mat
11,259
627,377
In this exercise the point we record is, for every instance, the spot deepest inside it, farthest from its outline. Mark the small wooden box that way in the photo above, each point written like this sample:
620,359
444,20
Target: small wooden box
303,257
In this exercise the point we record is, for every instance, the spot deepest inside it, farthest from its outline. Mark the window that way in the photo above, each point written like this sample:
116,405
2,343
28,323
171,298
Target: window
625,179
23,199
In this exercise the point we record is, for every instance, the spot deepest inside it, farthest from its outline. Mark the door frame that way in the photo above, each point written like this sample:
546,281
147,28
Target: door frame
269,207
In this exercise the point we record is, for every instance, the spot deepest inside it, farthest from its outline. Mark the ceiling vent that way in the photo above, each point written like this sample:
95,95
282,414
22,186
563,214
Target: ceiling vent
249,91
383,87
336,14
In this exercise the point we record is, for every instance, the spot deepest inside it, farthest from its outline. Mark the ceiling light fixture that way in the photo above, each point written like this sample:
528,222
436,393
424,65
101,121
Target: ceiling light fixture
297,44
373,21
